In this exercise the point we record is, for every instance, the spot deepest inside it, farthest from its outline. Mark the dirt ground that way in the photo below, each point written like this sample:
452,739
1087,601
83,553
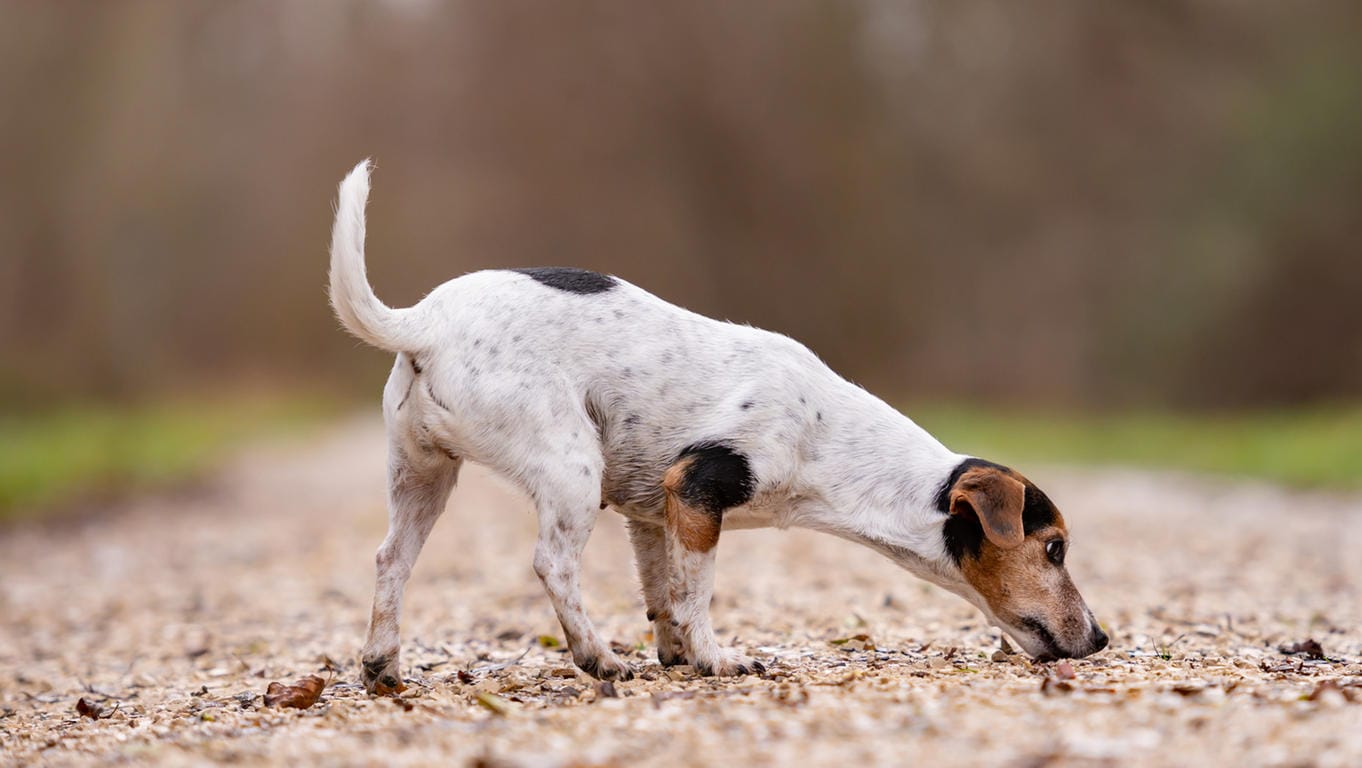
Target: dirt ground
171,617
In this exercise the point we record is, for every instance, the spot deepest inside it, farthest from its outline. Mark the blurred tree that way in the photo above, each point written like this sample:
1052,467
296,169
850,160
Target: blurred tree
1058,203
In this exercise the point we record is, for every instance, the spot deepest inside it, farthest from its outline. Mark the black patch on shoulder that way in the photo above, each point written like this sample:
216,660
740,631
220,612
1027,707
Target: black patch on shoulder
717,479
963,533
571,279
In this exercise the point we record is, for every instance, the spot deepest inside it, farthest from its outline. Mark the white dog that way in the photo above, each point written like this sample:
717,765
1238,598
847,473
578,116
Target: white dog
586,391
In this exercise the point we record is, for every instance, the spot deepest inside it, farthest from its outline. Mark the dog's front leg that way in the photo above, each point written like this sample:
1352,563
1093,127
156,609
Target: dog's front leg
692,539
654,571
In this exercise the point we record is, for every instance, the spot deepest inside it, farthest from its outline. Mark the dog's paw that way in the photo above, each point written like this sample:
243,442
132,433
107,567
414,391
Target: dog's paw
382,676
671,652
671,657
730,664
606,666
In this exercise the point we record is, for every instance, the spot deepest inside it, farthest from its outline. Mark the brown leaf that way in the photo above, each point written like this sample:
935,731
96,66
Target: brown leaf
1063,671
1050,686
858,642
302,694
1309,647
382,689
87,708
1325,687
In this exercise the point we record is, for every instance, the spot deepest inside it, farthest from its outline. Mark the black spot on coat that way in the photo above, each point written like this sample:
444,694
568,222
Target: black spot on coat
570,279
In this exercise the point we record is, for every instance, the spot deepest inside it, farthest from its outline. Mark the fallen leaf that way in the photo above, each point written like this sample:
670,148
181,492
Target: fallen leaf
1332,688
382,689
1063,671
498,705
1050,686
301,695
549,641
1309,647
858,642
1285,666
87,708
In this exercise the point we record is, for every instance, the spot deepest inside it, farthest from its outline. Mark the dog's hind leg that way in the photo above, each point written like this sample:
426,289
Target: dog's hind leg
419,483
650,555
568,498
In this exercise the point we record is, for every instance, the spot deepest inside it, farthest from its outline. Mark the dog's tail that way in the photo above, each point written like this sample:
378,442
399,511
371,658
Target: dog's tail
358,308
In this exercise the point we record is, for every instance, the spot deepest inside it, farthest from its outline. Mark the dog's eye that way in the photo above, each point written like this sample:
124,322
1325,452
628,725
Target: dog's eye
1055,551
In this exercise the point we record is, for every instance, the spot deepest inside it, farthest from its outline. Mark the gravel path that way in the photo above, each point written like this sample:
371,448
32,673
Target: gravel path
172,617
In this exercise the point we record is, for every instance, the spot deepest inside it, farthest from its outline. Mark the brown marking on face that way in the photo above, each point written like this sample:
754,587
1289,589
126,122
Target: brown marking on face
695,529
1022,586
996,497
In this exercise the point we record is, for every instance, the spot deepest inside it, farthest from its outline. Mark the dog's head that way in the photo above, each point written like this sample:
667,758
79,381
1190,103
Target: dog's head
1009,542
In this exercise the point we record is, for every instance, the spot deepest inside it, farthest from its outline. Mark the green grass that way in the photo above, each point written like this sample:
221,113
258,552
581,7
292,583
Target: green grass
82,453
63,457
1313,448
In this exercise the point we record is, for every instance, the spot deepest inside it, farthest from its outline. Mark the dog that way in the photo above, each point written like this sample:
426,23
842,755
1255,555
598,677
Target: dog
586,392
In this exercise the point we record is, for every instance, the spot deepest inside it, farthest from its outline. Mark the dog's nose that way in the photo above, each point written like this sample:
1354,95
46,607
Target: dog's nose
1099,639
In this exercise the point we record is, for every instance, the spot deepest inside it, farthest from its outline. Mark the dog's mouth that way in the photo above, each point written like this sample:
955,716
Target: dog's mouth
1050,648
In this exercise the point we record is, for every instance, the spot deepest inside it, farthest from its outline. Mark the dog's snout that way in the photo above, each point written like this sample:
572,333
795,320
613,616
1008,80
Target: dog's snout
1099,639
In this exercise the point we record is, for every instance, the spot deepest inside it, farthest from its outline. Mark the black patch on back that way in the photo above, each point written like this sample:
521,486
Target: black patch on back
965,535
571,279
717,479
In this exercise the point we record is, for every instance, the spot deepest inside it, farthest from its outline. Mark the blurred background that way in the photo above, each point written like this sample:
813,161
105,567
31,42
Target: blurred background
1069,230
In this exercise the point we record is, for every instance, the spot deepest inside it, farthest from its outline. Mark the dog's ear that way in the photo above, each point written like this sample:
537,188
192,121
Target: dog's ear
997,499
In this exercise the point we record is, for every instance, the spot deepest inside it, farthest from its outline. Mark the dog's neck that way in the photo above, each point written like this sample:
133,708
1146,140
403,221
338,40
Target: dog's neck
882,491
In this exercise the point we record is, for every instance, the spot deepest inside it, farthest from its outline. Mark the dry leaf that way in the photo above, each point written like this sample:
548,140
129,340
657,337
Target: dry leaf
381,689
549,641
494,702
301,695
859,642
1063,671
1310,648
1050,686
1332,688
87,708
